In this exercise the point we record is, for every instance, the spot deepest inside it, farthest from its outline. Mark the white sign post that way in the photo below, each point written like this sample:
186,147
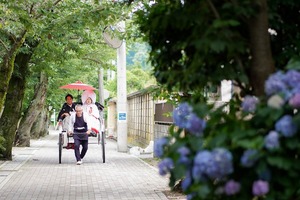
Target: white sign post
120,45
121,97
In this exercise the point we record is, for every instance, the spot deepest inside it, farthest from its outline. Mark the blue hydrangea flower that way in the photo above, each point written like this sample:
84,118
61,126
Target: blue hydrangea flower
287,94
275,83
232,187
181,114
249,103
260,188
295,90
292,78
215,164
272,140
190,196
165,166
286,126
187,181
203,164
249,158
294,101
159,146
222,163
197,173
184,152
184,160
184,117
195,125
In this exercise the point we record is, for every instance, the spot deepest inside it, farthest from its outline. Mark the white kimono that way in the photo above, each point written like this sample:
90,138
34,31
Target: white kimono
93,112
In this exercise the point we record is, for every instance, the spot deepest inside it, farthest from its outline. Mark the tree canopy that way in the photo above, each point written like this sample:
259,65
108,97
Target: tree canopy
44,45
195,43
39,40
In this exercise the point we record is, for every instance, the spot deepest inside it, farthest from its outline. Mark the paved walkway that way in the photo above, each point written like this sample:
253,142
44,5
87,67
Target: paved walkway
35,173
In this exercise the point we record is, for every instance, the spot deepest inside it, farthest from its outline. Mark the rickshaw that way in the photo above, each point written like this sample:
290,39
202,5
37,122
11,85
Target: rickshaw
65,141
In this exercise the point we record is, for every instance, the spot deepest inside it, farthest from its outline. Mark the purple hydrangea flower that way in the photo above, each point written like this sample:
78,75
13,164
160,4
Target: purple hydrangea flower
232,187
294,101
249,157
286,126
292,78
165,166
159,146
181,114
272,140
260,188
249,103
275,83
195,125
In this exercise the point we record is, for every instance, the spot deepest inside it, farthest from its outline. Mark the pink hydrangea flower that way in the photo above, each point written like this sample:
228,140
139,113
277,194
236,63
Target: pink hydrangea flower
260,188
232,187
295,101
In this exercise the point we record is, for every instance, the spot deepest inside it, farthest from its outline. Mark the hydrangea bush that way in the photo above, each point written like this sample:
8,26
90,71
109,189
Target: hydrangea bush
250,152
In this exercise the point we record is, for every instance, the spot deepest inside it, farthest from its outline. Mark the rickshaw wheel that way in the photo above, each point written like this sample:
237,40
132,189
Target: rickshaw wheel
60,146
103,145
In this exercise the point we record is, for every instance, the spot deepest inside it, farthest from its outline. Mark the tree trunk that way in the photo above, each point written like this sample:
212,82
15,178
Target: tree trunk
40,127
13,104
7,68
12,110
36,107
262,64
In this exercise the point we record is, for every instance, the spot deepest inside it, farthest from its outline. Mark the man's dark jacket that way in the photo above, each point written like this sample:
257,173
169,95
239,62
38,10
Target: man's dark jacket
65,109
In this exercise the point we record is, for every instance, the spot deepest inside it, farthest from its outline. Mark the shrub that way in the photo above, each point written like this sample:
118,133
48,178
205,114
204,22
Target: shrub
250,152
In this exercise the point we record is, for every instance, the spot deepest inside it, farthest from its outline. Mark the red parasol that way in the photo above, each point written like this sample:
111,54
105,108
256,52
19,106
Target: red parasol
78,85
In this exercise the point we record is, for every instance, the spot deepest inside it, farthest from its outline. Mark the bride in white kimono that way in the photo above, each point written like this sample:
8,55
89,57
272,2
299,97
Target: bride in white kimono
88,98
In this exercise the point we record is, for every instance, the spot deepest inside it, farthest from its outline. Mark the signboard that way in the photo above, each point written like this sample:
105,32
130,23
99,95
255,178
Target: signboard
122,116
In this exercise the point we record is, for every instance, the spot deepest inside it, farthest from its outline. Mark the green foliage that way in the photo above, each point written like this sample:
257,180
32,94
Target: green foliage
138,55
286,39
187,52
70,44
137,79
